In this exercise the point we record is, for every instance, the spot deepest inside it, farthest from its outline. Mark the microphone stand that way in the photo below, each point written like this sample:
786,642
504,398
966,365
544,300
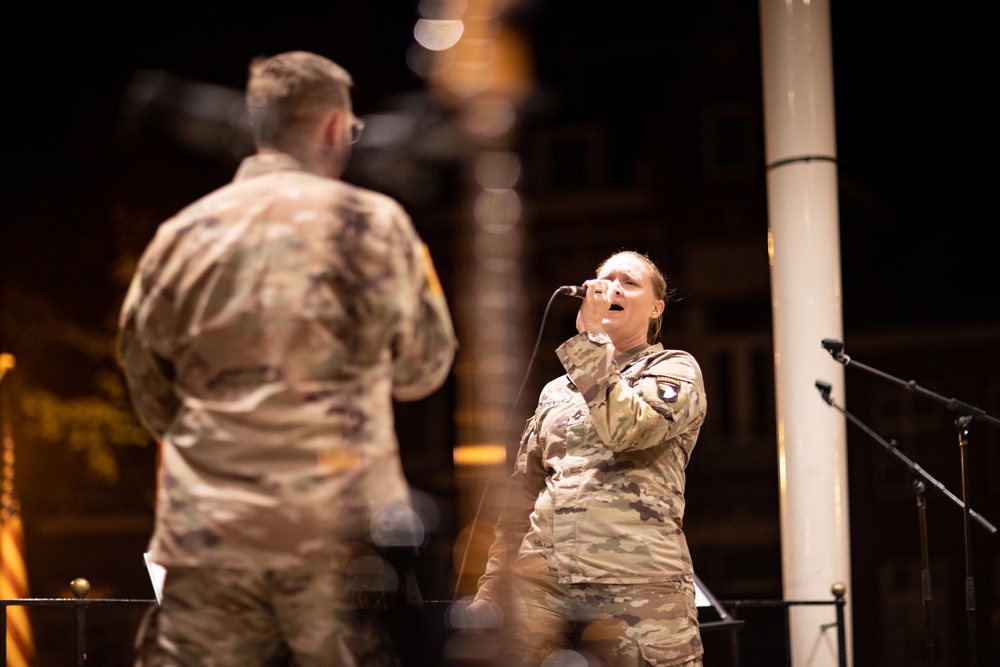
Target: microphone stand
922,480
966,413
926,590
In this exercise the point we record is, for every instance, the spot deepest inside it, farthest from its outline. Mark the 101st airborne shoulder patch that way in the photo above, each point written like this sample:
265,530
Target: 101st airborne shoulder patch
667,389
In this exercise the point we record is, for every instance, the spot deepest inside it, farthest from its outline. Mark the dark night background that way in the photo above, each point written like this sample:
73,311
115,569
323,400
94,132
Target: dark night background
673,94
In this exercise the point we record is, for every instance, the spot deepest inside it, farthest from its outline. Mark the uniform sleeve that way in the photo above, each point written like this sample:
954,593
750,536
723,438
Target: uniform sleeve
523,487
149,376
667,399
424,347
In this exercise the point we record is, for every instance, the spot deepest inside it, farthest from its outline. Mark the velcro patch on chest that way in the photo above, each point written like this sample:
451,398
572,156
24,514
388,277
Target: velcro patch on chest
668,390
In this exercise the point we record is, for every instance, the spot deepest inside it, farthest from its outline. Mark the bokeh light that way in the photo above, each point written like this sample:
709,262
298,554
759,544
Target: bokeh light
497,169
438,35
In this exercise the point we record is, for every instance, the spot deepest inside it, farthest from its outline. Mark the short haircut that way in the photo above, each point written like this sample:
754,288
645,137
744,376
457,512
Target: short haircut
287,93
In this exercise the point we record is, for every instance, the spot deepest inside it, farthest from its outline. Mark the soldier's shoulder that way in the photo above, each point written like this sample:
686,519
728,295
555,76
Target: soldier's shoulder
347,195
673,362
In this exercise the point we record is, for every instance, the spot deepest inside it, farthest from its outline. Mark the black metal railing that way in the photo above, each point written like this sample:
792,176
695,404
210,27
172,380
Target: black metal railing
735,624
735,607
79,607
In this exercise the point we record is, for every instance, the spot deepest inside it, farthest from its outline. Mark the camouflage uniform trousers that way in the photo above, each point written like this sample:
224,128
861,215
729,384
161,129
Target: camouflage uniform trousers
239,618
634,625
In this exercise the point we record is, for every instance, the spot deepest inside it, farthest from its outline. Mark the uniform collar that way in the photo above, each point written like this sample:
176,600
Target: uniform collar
626,359
266,163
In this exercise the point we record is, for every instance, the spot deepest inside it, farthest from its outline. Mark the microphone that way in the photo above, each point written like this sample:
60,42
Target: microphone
835,348
824,390
578,291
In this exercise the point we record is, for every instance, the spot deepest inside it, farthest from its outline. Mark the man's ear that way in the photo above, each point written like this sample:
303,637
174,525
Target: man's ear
332,127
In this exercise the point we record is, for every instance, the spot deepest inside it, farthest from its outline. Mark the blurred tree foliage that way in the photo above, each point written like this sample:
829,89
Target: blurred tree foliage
90,412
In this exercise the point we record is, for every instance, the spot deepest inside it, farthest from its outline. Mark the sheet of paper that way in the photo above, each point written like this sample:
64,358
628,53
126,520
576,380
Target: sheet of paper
157,573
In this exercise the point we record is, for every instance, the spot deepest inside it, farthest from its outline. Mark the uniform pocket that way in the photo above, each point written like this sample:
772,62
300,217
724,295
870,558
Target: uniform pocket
672,651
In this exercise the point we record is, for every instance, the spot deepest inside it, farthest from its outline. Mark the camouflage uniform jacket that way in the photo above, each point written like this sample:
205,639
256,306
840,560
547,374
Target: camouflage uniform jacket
267,329
597,494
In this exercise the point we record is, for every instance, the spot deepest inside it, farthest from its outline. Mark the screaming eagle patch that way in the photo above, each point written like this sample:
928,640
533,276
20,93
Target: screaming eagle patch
668,390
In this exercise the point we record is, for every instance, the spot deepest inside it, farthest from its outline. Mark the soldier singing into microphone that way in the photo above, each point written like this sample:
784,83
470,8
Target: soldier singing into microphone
591,534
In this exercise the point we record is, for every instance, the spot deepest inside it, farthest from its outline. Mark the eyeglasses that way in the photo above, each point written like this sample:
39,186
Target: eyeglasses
357,127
